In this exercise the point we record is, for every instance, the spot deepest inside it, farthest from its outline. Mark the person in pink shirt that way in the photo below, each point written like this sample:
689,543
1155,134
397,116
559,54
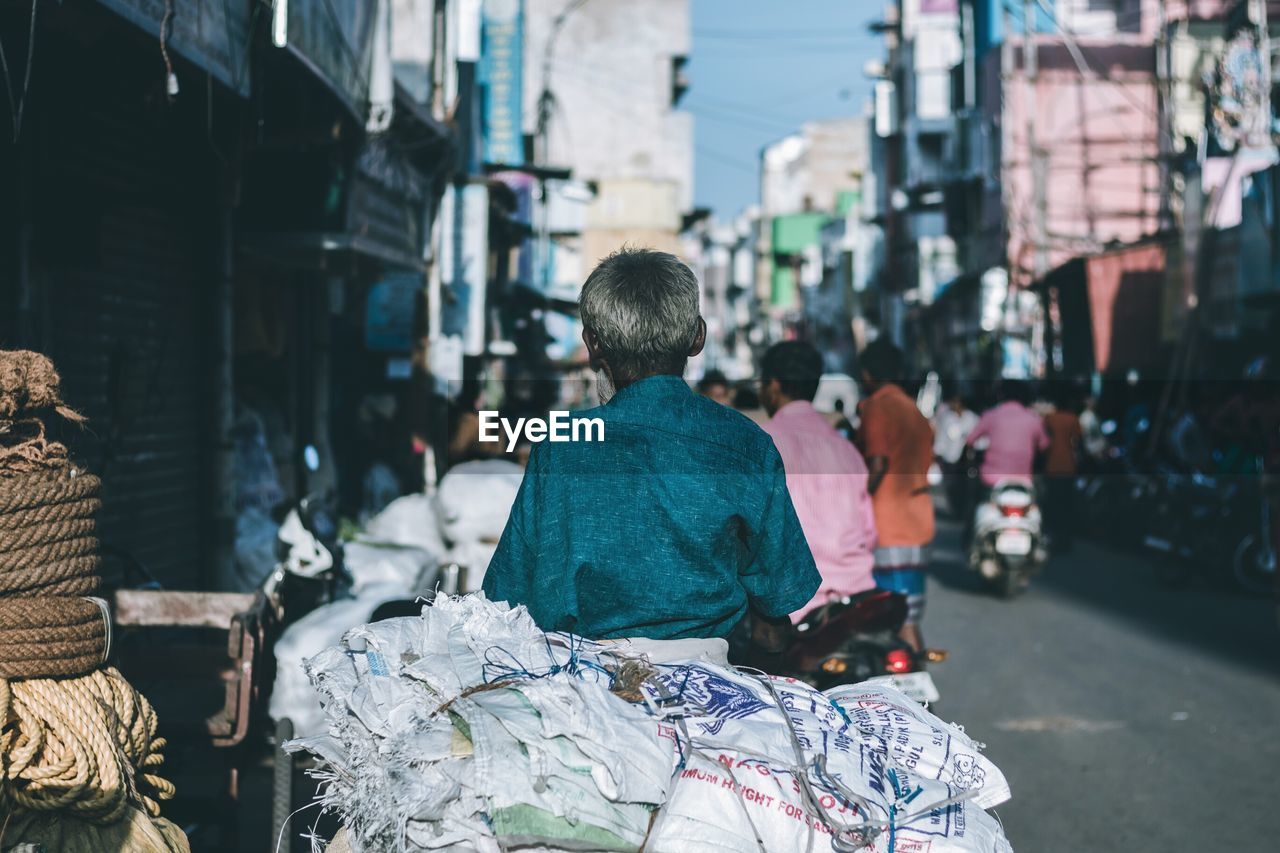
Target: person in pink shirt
826,475
1015,436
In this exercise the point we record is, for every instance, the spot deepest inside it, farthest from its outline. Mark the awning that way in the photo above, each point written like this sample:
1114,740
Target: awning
1108,309
214,37
341,42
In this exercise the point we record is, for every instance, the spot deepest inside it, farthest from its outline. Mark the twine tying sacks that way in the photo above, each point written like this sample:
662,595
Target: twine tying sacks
79,755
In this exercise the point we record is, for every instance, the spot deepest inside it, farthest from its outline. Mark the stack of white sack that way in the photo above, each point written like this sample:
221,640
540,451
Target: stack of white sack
473,502
397,558
469,729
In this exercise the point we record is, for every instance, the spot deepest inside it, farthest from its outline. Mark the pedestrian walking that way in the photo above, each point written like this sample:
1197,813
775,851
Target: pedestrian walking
897,443
952,423
1062,464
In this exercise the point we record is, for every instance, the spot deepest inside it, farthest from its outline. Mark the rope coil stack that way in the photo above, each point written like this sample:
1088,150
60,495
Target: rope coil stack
79,754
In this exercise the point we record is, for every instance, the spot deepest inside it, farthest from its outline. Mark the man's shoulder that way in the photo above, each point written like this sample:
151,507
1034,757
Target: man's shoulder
713,423
699,427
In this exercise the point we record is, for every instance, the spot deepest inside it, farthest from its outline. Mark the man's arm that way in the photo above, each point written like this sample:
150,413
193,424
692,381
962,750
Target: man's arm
875,448
781,576
877,467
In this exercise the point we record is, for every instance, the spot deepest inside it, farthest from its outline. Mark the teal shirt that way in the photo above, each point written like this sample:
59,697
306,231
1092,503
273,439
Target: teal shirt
666,529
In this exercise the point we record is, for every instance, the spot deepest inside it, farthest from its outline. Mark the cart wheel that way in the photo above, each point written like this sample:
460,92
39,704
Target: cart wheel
282,790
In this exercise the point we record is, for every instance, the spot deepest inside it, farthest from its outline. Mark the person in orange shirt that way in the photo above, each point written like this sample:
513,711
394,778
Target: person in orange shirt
897,442
1061,465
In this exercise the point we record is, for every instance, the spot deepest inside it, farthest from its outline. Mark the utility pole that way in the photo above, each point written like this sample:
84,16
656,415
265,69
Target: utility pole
1031,71
1263,128
542,146
1164,121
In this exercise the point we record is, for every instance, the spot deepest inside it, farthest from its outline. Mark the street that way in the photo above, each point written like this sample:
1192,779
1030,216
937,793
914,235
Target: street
1126,716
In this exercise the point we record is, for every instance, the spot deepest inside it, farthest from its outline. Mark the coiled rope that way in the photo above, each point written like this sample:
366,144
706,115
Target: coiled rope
79,753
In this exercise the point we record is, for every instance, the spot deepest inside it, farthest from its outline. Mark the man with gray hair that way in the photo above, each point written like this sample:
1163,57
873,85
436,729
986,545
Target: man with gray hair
678,524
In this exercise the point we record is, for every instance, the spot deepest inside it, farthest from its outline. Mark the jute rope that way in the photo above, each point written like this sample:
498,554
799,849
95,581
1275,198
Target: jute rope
48,561
79,752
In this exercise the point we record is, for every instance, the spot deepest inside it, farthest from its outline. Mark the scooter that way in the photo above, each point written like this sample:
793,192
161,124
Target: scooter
855,639
1008,543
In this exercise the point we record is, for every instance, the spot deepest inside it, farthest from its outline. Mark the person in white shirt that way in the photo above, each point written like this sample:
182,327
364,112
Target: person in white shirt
952,423
1095,443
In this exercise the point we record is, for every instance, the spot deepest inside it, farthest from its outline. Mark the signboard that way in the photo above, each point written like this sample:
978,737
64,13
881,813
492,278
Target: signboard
212,35
501,72
464,265
388,325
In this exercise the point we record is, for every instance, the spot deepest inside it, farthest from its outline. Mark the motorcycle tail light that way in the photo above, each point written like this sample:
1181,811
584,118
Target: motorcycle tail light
899,660
1013,511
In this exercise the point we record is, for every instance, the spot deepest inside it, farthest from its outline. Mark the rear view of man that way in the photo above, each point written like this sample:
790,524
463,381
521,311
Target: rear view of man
897,443
677,524
826,476
1015,436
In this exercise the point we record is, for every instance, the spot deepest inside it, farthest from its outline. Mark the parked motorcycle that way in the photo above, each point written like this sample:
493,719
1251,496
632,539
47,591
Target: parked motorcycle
1008,544
1254,561
310,571
1114,498
855,639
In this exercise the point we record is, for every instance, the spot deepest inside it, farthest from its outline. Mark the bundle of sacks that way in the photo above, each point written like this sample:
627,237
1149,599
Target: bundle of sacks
468,728
397,556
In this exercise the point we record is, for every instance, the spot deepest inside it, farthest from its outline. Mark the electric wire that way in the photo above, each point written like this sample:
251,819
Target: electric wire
17,104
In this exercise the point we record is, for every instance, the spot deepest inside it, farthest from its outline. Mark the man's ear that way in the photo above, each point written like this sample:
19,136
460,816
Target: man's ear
699,339
593,349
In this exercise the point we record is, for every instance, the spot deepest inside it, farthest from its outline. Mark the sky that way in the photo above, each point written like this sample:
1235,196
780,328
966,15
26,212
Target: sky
761,68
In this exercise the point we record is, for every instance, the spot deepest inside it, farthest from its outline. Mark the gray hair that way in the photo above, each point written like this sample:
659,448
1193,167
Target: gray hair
642,306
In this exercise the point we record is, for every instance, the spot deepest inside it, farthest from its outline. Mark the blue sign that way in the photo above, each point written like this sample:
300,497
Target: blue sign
502,74
388,325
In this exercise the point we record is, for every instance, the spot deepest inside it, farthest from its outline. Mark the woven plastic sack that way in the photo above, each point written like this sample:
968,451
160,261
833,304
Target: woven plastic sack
725,801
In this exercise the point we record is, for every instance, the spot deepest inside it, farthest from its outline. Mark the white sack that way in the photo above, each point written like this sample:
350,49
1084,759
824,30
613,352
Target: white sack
475,498
410,521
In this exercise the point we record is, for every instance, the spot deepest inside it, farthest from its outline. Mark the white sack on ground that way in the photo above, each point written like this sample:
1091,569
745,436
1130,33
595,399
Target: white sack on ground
411,569
469,728
411,521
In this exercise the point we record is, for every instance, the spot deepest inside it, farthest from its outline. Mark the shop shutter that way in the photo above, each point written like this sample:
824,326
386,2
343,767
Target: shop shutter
126,287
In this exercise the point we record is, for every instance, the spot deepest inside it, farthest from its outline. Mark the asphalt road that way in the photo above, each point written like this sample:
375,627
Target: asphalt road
1127,716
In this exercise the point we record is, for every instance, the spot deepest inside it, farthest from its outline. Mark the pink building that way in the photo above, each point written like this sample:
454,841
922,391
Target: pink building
1097,140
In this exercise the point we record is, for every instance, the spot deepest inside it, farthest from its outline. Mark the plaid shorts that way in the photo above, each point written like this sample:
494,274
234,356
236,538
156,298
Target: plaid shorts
901,569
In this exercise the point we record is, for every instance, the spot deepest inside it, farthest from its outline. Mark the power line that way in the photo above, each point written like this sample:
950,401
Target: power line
725,117
776,35
18,103
1088,72
746,110
727,160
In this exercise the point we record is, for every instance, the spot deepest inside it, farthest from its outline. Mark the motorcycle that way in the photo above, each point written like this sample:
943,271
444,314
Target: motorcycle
1008,544
855,639
310,570
1254,561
